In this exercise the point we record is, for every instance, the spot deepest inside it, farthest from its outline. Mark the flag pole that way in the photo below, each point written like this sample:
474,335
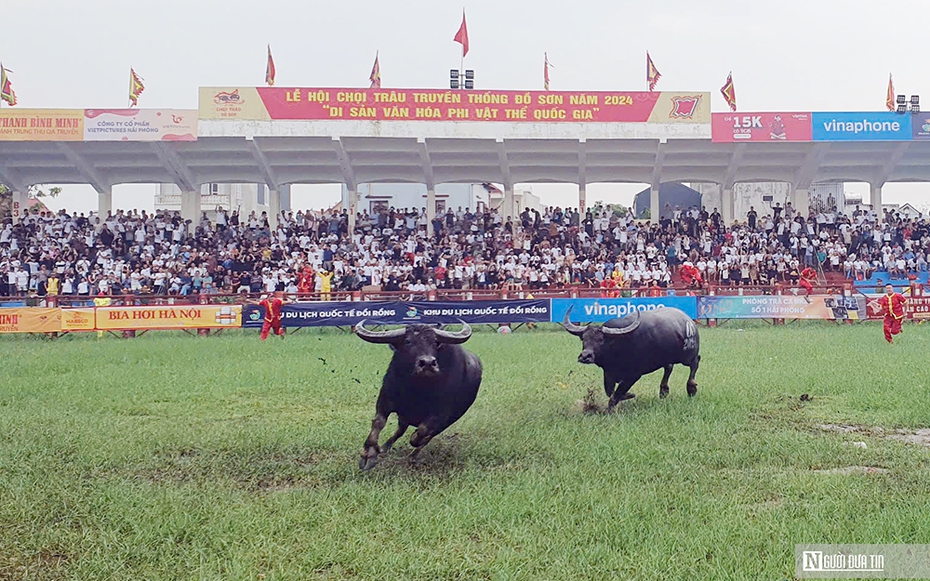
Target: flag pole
130,87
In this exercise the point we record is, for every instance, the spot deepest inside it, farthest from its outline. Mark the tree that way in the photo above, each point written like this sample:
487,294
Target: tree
6,197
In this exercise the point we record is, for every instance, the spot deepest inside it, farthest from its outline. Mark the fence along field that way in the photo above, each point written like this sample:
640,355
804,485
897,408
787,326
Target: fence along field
176,456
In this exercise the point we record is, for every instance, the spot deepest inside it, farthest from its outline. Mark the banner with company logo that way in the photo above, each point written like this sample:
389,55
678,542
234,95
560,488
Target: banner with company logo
140,125
917,308
168,317
738,127
262,103
83,319
338,314
30,320
41,124
600,310
782,307
920,126
871,126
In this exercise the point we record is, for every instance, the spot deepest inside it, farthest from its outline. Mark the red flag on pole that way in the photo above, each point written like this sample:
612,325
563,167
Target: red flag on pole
6,88
375,77
461,36
135,87
729,92
269,69
546,71
652,73
889,99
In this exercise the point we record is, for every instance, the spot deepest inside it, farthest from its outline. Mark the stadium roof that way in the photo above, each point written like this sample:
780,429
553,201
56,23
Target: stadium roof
277,153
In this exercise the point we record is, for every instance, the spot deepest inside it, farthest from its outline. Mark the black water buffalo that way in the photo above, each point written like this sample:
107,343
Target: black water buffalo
640,343
430,383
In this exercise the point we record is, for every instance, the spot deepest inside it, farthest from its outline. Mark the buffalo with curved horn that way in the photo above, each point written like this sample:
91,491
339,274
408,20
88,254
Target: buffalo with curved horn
430,383
640,343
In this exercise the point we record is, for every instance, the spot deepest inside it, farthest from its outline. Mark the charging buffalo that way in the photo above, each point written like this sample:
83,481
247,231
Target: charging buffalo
430,383
640,343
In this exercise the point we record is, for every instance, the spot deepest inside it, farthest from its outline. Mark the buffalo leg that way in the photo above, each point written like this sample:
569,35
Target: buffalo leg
401,428
370,450
663,387
609,382
424,434
622,393
692,385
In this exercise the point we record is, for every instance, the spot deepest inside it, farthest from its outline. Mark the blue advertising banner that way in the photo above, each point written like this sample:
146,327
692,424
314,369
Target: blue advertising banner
871,126
920,126
338,314
830,307
600,310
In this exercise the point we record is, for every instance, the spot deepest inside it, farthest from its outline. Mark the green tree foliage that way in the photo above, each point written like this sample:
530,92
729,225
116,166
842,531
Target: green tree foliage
6,197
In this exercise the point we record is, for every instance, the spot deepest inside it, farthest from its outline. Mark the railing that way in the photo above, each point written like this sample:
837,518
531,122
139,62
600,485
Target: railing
567,292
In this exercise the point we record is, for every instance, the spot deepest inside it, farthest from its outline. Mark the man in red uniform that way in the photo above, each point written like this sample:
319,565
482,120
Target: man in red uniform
306,280
804,281
272,305
892,305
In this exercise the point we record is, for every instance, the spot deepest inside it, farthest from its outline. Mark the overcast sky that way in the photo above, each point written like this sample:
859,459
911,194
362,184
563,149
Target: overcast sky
824,55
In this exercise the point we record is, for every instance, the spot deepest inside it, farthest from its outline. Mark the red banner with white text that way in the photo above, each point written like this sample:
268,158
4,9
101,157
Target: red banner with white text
263,103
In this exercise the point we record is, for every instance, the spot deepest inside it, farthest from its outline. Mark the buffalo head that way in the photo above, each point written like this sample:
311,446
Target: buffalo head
416,347
592,338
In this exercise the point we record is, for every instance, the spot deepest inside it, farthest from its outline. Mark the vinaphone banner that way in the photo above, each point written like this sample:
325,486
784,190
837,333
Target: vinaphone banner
266,103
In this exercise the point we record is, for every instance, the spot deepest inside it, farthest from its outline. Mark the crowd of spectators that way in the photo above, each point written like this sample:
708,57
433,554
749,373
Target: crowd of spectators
311,252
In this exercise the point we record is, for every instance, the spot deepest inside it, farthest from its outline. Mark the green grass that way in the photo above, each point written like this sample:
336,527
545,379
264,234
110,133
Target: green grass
180,457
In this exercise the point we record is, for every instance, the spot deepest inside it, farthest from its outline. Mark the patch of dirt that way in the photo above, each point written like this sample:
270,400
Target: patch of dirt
49,564
589,405
853,470
260,471
920,437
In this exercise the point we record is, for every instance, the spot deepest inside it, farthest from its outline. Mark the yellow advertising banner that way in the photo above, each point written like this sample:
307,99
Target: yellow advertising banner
30,320
78,320
41,124
168,317
232,103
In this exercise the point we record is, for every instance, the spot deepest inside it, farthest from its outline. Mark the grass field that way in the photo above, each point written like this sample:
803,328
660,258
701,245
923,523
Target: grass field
180,457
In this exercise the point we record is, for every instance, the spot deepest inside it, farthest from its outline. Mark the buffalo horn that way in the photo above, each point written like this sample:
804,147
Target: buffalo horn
628,329
576,330
378,336
454,338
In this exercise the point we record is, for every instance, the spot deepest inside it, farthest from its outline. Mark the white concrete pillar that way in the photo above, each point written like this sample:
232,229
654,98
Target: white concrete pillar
582,199
274,208
726,212
430,209
285,192
654,203
191,208
875,197
18,203
352,209
801,200
105,203
508,207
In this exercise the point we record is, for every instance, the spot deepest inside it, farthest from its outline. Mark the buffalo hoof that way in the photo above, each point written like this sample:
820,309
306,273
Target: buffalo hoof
366,464
663,392
692,389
